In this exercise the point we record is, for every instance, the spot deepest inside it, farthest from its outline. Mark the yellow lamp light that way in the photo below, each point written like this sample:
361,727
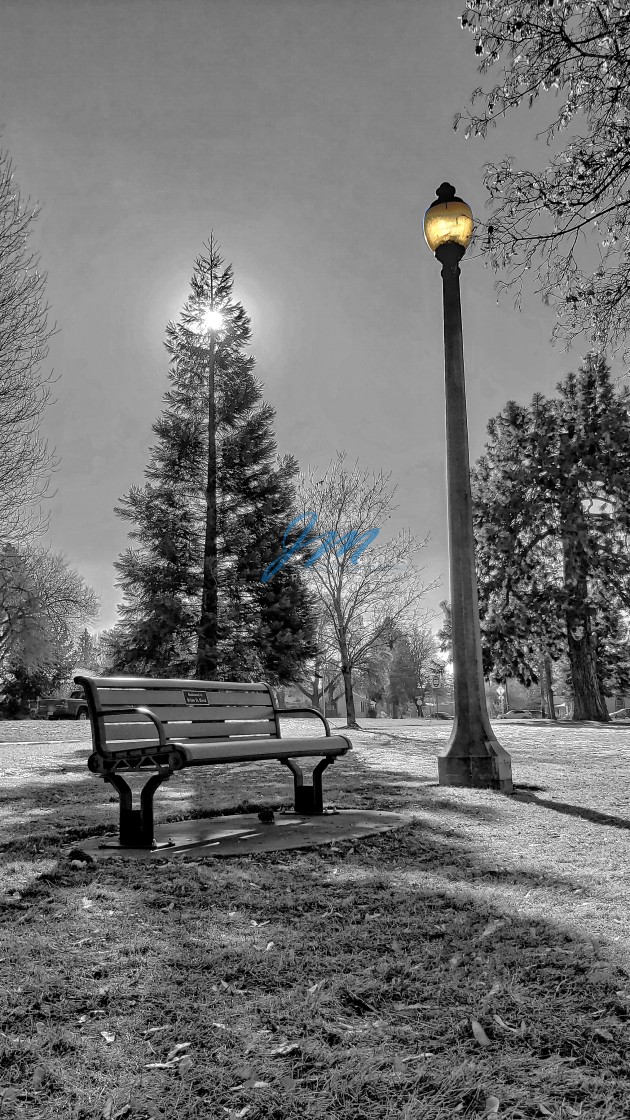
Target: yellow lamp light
449,218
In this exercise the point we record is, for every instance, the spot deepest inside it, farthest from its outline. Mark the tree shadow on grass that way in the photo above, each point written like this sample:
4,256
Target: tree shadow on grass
362,969
445,848
576,811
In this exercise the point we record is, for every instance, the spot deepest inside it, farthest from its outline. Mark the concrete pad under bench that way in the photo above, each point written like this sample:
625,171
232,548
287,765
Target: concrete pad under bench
243,834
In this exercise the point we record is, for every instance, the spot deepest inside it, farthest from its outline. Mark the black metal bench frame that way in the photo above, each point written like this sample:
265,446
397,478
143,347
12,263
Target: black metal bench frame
136,828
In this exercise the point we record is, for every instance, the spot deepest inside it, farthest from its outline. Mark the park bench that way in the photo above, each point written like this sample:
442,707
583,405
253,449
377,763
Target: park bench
147,725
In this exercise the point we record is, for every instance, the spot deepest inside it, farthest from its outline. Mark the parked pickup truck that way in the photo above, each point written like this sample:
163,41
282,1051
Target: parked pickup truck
60,707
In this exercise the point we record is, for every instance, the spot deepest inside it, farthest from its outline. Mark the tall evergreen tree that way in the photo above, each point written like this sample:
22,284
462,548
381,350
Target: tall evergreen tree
263,629
552,513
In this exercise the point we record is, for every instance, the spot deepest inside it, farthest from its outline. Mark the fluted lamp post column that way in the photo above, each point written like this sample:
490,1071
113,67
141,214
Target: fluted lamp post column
474,757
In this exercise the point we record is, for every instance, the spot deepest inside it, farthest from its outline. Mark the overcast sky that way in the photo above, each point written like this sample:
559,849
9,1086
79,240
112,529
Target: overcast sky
310,135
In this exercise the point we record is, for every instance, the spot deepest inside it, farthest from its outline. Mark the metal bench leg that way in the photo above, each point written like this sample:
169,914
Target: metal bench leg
136,825
309,800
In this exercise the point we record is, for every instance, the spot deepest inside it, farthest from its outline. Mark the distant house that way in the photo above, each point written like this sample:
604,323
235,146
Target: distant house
615,703
295,698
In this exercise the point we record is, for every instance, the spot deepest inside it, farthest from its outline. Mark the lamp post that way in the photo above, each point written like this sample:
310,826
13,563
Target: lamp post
474,756
211,322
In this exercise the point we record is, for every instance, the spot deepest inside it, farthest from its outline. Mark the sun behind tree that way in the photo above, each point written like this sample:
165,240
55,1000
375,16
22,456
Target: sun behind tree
263,630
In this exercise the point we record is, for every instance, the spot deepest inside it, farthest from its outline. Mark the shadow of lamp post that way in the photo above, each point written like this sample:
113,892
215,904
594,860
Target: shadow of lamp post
474,757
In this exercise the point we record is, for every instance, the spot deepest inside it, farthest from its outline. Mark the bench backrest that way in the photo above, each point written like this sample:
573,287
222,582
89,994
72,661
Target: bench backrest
188,710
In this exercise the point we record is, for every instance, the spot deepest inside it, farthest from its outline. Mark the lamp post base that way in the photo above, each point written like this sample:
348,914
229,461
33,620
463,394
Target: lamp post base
490,770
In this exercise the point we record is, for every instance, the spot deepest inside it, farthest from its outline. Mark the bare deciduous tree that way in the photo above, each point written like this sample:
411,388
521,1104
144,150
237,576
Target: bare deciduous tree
25,459
363,596
43,603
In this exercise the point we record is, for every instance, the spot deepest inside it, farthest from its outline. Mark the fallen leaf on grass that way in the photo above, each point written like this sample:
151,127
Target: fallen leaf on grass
185,1065
598,975
506,1027
490,929
492,1106
108,1036
411,1007
357,1001
270,945
282,1051
479,1033
39,1077
544,1110
109,1114
177,1050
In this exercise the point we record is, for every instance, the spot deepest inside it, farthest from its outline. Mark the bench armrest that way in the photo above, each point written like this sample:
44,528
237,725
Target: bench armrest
143,711
311,711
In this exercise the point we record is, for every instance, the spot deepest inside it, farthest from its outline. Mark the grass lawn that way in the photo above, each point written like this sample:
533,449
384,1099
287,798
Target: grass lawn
472,963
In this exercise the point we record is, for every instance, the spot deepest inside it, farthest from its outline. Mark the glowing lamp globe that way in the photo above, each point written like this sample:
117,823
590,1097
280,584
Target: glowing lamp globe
449,218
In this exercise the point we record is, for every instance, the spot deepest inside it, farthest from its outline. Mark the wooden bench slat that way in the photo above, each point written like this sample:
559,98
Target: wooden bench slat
156,698
131,732
166,683
251,749
186,714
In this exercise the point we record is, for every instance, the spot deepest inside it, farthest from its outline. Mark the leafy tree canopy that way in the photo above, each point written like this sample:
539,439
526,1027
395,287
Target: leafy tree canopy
552,514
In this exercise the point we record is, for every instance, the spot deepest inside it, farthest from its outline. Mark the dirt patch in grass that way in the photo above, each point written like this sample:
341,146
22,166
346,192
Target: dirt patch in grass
445,969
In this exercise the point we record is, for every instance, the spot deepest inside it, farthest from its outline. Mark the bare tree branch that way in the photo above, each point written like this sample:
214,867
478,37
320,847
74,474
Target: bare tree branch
360,598
25,459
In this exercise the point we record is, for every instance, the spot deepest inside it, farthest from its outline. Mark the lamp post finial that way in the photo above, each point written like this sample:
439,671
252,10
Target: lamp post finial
445,192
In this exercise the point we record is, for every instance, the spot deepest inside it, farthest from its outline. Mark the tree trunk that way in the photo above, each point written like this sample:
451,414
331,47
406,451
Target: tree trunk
588,701
207,649
351,719
549,688
546,689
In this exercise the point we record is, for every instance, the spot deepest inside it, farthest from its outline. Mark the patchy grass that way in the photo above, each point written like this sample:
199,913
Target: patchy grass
429,973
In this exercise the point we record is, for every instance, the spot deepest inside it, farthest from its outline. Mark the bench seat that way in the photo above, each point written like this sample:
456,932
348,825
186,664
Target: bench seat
249,750
146,725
